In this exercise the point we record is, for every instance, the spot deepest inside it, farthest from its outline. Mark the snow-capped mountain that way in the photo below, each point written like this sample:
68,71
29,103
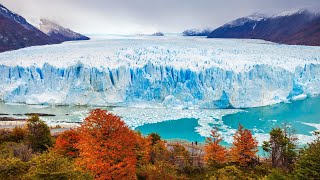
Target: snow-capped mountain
58,32
299,27
196,32
16,32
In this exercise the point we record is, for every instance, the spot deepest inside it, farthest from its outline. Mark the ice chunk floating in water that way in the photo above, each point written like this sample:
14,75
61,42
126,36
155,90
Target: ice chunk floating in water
175,72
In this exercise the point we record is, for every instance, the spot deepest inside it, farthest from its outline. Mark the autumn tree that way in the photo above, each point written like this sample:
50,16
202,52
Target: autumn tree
39,136
107,146
244,147
215,154
281,147
66,143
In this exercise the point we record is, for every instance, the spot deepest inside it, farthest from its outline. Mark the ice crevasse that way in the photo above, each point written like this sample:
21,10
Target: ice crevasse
173,75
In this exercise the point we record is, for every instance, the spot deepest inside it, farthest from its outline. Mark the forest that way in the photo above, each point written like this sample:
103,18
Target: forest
104,147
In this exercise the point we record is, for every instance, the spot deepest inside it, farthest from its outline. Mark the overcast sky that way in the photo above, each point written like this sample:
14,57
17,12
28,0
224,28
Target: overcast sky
147,16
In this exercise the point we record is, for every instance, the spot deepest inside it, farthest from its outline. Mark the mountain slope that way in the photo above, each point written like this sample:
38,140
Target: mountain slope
299,27
59,33
16,32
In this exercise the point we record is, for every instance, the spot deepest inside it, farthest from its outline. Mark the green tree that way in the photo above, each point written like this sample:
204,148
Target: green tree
51,165
282,148
308,164
39,137
154,138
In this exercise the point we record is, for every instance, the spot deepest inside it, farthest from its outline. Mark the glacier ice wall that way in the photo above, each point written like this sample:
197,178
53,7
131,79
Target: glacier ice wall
174,72
156,85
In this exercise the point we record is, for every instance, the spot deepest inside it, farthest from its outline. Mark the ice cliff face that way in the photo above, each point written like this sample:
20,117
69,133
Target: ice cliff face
175,73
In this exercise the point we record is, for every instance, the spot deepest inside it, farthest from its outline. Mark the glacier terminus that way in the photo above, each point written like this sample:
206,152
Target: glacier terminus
169,72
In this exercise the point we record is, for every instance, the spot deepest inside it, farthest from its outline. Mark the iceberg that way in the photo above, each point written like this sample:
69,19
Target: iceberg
171,72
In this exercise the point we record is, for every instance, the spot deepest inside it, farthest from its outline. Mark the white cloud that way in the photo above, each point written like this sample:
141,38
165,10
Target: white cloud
146,16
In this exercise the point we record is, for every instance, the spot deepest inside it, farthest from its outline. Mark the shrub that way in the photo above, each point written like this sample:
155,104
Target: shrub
12,168
51,165
15,150
18,134
22,152
228,173
160,170
276,174
5,135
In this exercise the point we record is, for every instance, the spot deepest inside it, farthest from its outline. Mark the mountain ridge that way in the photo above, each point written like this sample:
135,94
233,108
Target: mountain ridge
300,27
16,32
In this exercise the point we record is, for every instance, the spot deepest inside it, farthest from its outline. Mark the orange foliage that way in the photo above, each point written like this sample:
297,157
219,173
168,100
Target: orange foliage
214,152
244,147
107,146
66,143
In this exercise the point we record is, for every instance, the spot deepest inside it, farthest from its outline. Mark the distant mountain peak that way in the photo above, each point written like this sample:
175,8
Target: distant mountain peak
5,12
16,32
58,32
298,27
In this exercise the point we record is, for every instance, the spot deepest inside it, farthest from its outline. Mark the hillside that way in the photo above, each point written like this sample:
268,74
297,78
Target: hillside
299,27
16,32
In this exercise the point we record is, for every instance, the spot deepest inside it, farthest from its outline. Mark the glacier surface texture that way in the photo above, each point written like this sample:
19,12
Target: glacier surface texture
172,72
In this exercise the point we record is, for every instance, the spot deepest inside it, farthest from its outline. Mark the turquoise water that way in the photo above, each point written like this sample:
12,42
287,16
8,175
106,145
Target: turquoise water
294,114
260,120
182,129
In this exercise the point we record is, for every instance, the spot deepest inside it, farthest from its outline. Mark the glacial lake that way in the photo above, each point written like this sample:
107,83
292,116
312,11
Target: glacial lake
191,125
303,116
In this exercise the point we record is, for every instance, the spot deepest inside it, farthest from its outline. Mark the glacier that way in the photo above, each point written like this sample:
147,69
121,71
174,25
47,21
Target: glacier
170,72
